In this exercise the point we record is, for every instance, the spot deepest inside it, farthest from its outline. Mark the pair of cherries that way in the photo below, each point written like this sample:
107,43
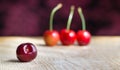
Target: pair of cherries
67,36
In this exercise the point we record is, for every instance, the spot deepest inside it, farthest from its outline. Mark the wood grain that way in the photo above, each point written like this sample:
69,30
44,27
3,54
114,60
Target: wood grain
103,53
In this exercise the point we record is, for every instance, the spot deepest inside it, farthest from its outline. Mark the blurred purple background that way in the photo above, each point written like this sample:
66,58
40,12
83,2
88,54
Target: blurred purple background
31,17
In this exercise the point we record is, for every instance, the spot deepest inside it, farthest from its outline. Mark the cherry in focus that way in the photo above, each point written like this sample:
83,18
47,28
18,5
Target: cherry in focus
26,52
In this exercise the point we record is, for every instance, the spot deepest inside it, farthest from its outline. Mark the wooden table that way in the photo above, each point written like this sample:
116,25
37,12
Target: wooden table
103,53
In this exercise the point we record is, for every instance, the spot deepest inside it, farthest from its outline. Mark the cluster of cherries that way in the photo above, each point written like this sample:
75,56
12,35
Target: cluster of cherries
27,51
67,36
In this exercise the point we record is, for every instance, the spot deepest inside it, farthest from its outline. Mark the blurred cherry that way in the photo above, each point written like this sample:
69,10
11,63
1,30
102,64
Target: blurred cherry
51,37
68,36
83,36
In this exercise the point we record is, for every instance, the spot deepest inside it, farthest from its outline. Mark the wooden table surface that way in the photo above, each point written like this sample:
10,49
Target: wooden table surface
103,53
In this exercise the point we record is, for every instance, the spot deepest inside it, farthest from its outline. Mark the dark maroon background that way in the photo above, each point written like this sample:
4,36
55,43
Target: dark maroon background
31,17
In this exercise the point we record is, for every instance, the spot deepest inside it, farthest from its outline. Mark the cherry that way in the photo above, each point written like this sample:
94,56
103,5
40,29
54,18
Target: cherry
83,36
51,37
68,36
26,52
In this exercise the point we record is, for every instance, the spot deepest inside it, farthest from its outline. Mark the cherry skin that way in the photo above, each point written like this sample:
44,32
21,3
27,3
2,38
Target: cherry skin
83,37
26,52
67,37
51,38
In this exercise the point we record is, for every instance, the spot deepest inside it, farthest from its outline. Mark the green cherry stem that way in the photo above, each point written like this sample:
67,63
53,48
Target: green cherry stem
82,18
70,17
52,15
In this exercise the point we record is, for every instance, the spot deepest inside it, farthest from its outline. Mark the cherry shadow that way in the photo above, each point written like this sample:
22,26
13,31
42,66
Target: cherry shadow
13,61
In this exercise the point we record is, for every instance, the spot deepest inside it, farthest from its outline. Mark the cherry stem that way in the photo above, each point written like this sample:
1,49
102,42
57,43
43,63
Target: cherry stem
70,17
52,15
82,18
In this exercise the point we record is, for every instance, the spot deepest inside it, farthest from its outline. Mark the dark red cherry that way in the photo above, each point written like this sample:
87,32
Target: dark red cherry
26,52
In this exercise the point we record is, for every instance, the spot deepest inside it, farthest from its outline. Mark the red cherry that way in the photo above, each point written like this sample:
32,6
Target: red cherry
83,37
26,52
67,37
51,38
